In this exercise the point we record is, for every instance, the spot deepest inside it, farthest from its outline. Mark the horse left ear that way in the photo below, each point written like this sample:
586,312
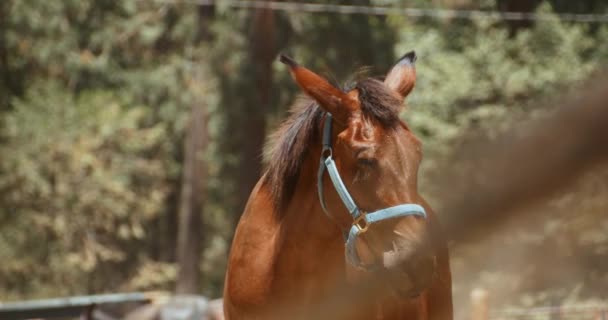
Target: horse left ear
402,76
333,100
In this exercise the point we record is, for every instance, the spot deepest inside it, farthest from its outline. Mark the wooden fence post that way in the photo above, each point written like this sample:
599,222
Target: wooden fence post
480,309
556,307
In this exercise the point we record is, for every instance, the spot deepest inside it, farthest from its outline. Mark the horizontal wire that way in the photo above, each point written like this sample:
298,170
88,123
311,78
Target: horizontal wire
575,309
379,10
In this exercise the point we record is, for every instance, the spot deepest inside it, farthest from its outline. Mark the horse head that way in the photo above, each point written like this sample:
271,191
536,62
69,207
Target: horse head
377,157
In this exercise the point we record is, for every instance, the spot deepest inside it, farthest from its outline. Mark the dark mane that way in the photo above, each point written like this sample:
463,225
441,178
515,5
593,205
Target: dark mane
288,146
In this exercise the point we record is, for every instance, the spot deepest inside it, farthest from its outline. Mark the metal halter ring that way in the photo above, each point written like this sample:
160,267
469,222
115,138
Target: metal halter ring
361,223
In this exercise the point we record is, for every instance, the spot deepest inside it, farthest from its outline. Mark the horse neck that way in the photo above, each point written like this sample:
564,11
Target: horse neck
304,224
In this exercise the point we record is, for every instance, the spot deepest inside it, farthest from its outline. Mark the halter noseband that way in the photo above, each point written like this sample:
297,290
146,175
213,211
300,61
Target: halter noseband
362,219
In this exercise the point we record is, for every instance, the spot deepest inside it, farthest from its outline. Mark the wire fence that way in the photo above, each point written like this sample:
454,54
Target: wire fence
304,7
581,312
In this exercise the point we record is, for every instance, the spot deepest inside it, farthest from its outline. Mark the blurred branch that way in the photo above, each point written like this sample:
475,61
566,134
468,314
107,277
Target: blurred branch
529,163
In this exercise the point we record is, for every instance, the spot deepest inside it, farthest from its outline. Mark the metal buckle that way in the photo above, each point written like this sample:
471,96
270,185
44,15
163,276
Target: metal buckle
358,223
326,152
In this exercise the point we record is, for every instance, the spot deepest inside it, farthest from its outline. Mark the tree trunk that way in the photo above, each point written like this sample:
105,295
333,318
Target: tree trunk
527,6
262,54
193,191
192,200
4,67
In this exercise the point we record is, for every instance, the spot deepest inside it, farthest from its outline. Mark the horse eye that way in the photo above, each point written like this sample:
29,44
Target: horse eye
367,162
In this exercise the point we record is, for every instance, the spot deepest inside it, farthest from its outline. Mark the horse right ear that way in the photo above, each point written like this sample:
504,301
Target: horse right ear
402,77
331,99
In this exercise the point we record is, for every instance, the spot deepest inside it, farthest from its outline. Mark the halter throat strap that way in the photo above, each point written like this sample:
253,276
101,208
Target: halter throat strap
361,220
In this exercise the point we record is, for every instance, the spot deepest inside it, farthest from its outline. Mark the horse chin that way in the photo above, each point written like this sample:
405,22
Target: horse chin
403,286
409,277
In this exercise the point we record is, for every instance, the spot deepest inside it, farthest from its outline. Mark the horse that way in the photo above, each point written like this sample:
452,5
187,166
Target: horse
338,199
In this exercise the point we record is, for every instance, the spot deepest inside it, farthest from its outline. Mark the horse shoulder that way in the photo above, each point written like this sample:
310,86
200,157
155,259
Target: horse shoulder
249,277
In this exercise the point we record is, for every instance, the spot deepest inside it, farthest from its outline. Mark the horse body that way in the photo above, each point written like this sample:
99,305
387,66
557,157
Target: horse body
294,252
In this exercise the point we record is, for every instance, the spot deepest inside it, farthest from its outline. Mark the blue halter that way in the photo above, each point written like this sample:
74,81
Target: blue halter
362,220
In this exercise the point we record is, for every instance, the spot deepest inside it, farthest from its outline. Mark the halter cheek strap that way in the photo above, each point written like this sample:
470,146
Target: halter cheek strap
361,220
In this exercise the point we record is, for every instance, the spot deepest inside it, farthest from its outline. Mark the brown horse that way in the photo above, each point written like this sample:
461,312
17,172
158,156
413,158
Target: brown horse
290,242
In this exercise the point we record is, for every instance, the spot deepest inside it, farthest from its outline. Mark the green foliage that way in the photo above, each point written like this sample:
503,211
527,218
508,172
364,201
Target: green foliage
91,143
477,76
85,177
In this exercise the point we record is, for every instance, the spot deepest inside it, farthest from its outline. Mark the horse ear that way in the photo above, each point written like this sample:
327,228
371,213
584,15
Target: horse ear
330,98
402,76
